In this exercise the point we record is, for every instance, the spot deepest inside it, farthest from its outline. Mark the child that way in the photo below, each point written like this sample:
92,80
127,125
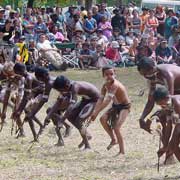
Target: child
113,119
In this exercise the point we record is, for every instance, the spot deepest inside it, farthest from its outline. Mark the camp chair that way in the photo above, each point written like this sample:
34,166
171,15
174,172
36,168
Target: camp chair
70,58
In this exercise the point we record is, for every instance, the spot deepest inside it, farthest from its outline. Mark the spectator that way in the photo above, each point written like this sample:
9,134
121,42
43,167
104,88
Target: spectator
144,17
9,29
152,22
58,34
61,19
104,12
136,23
129,37
40,27
50,53
161,16
45,16
106,27
28,24
83,13
163,53
174,38
2,19
116,36
101,38
86,57
96,14
112,53
170,22
118,21
90,25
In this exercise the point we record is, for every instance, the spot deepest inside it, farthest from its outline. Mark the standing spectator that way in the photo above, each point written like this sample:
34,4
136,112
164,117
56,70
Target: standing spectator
161,16
61,19
144,17
9,29
90,25
44,15
96,14
2,19
40,27
126,14
136,23
163,53
152,22
118,21
106,27
28,24
170,22
104,12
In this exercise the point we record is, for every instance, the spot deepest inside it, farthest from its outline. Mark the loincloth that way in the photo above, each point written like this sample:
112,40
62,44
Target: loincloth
113,113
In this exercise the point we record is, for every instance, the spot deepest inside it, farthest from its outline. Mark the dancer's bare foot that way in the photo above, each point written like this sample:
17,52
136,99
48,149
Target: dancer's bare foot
112,143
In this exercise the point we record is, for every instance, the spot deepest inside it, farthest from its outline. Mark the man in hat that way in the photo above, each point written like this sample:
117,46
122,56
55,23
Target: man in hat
118,21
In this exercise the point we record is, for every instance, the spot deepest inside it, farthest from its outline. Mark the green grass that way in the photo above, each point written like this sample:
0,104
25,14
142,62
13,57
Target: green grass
44,161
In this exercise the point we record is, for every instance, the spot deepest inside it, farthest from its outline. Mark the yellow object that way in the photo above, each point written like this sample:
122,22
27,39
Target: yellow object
23,52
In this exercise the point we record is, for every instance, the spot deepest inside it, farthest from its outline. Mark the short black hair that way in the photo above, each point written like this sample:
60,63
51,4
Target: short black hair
145,63
106,68
19,67
61,82
160,93
41,72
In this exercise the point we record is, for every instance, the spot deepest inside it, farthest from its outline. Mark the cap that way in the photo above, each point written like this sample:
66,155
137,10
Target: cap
115,44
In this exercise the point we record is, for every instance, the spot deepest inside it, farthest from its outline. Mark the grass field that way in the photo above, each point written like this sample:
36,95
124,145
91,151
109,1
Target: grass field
44,161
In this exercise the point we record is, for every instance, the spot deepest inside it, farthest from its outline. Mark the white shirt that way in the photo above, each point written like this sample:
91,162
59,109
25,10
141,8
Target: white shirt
45,45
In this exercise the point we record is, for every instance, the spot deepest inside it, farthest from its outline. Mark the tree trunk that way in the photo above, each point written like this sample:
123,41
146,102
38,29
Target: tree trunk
30,3
88,4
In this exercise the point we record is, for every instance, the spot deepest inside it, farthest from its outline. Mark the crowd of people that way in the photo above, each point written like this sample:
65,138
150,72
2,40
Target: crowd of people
120,38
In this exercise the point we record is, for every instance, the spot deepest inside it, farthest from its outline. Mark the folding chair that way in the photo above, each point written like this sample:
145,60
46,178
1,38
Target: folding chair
70,58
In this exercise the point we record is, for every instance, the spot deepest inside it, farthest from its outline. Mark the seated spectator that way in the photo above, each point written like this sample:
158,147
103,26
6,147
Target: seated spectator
163,53
90,24
86,57
106,27
78,33
116,35
57,34
133,49
143,51
100,56
129,37
50,53
101,38
176,53
93,43
33,52
112,53
22,51
16,37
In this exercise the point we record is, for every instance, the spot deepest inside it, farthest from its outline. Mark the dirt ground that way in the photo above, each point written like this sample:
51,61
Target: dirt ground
44,161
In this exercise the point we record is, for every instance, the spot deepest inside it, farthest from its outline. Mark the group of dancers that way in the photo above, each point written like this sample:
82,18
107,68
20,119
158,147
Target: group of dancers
80,102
